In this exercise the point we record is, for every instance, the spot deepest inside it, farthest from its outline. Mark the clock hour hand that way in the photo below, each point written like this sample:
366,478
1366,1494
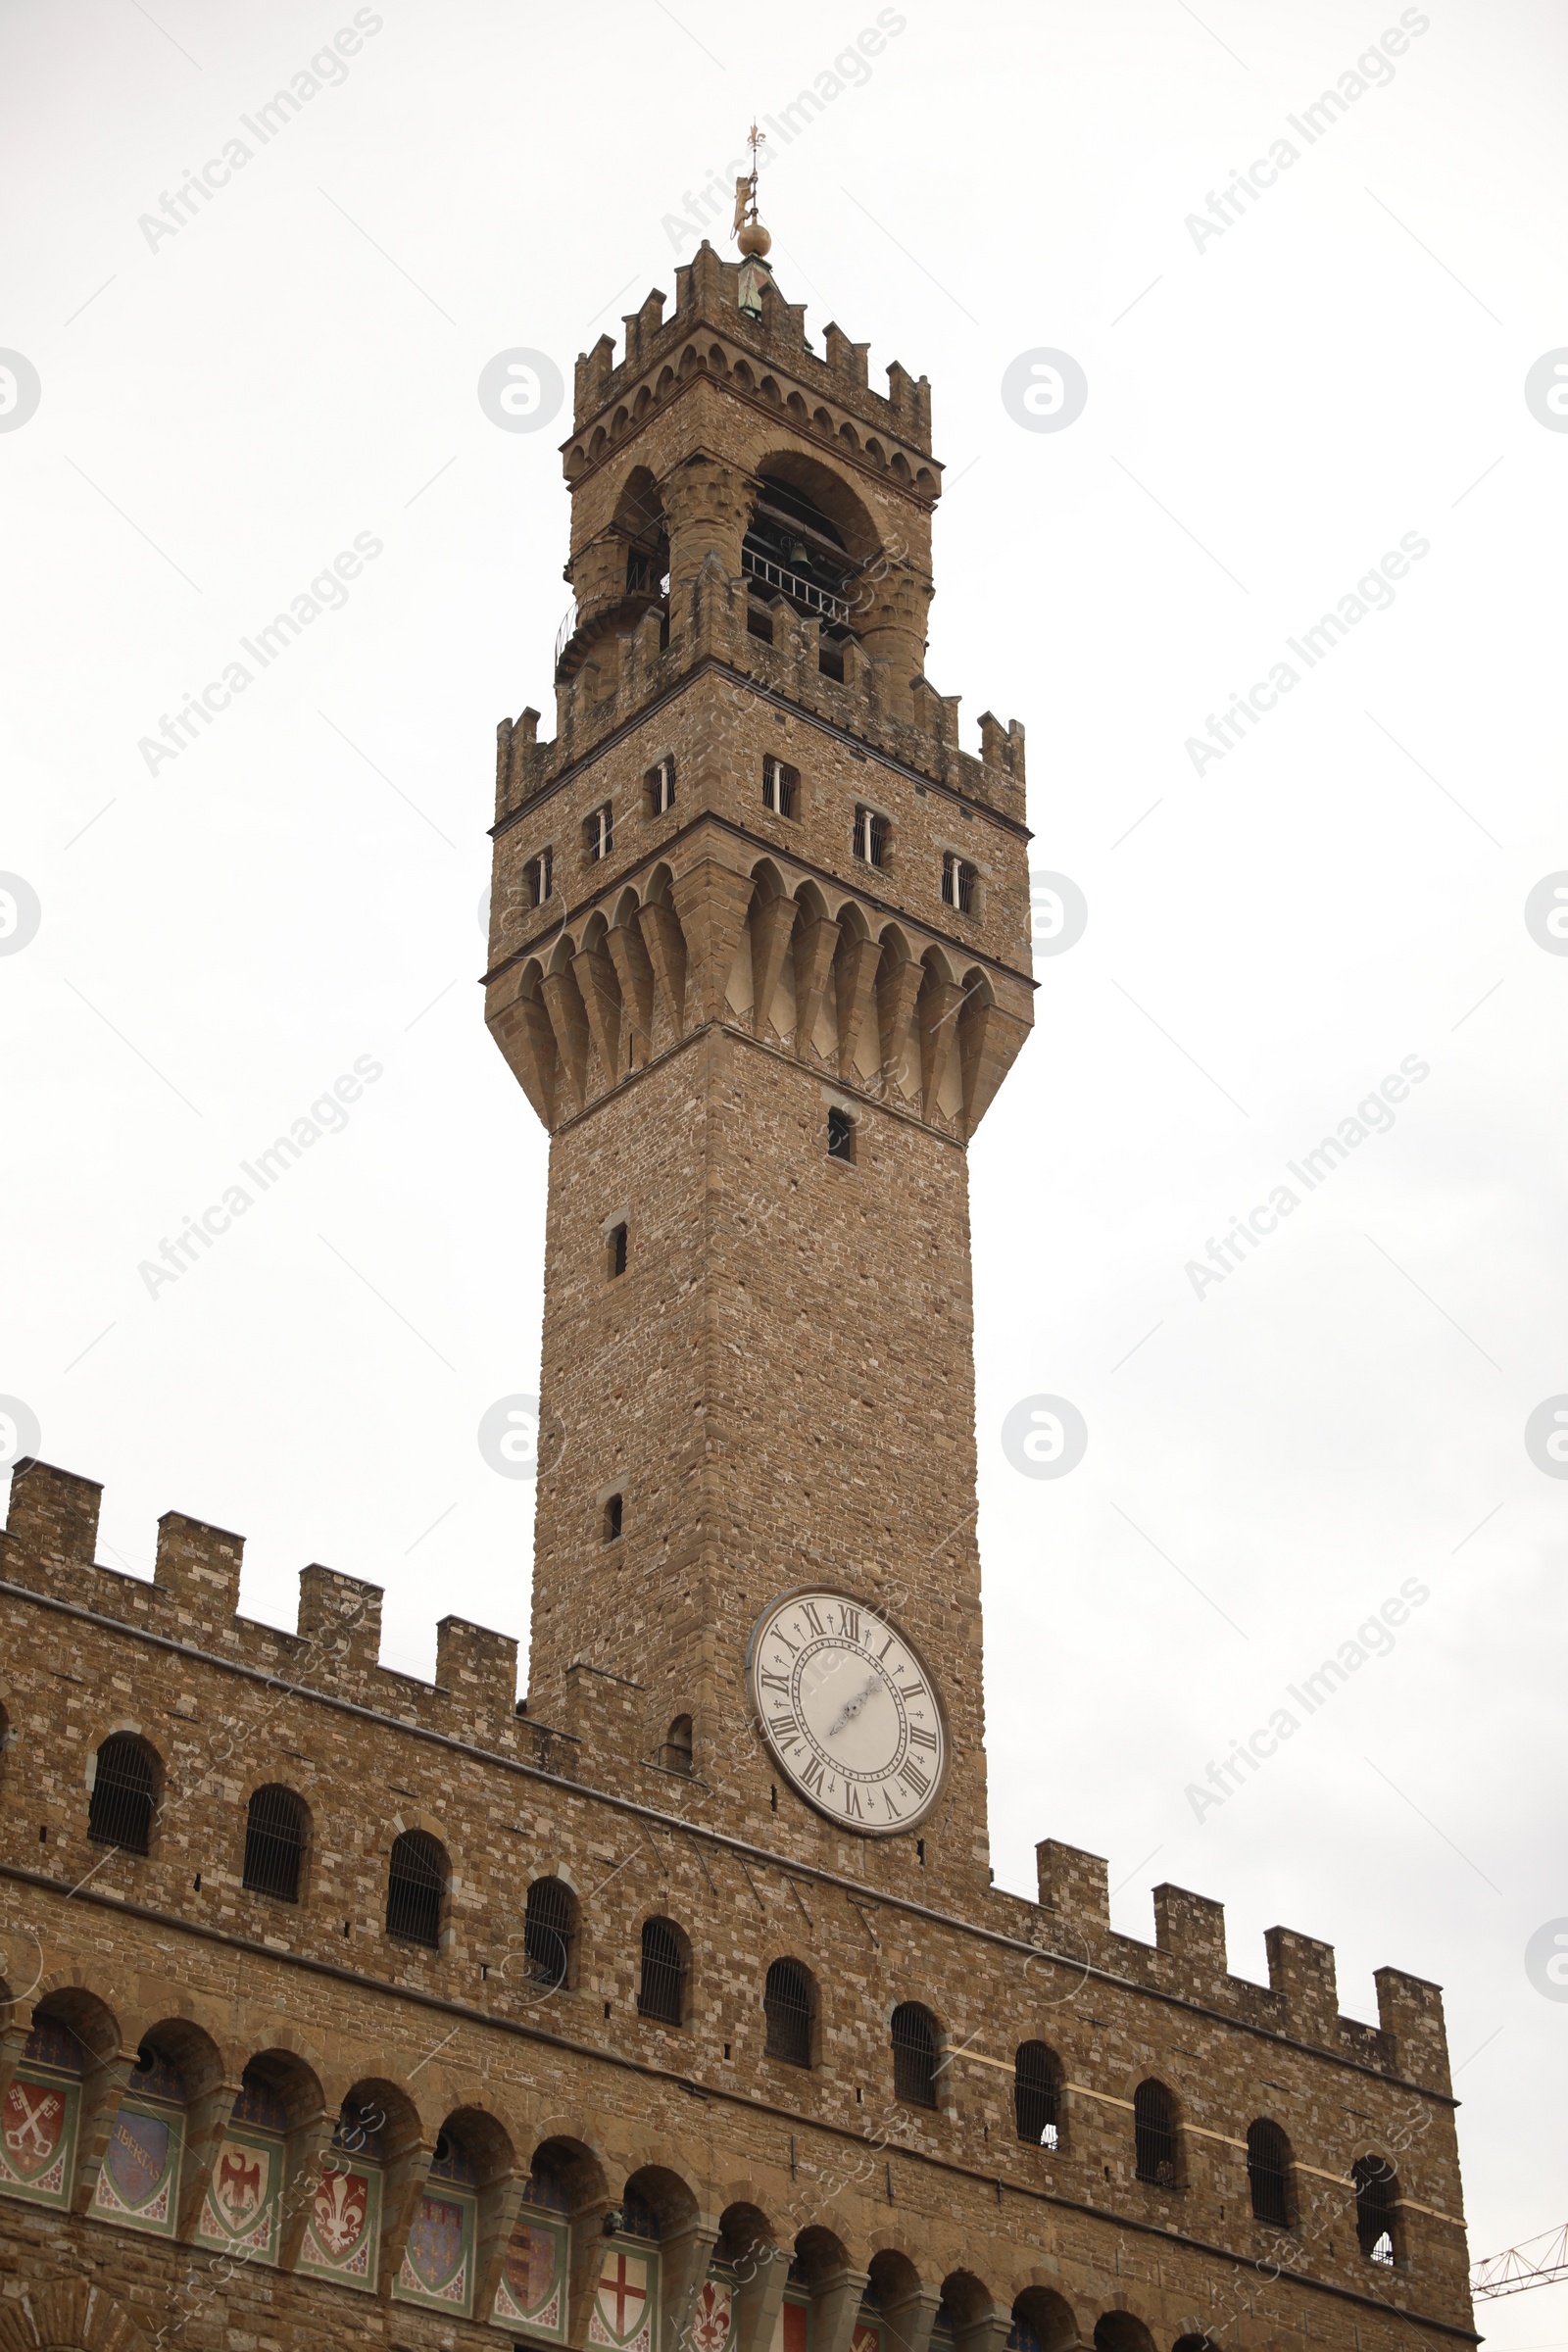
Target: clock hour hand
852,1706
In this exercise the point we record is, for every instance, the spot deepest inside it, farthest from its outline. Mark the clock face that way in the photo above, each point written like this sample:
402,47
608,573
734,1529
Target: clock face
849,1711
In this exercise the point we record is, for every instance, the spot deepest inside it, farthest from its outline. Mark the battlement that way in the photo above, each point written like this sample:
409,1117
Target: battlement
48,1546
708,295
909,720
1187,1957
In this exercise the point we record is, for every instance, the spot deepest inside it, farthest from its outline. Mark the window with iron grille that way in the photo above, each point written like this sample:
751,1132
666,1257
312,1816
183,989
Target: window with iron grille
1377,2192
119,1811
416,1885
788,2007
638,2218
541,878
1155,2134
547,1931
915,2056
840,1134
662,1992
1037,2095
870,837
659,783
958,883
778,786
274,1841
1269,2173
599,832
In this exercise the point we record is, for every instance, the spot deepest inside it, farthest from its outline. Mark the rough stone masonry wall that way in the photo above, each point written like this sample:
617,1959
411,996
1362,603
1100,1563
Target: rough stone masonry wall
780,1385
954,2191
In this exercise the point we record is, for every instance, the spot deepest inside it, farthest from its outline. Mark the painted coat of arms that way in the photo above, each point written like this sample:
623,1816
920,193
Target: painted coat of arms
140,2171
711,2319
37,2122
340,2236
435,2260
240,2211
624,2302
530,2288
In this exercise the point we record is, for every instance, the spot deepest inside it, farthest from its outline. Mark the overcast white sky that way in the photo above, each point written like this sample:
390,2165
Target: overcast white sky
1270,410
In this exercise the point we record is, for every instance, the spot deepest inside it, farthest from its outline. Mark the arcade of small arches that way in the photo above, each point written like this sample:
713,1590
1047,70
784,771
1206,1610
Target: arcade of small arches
852,994
822,420
470,2213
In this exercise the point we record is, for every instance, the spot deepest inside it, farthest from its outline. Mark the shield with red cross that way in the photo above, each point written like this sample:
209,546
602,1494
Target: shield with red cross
621,2300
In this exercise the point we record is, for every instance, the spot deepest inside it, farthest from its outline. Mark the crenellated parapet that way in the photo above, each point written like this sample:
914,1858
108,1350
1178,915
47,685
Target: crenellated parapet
1188,1960
49,1547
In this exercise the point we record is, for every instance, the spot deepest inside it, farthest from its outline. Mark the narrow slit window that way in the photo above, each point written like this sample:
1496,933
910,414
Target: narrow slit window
618,1249
840,1134
600,833
612,1517
870,837
959,883
779,784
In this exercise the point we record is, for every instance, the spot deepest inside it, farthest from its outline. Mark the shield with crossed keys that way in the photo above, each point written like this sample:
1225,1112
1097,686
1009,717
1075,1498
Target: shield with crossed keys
32,2120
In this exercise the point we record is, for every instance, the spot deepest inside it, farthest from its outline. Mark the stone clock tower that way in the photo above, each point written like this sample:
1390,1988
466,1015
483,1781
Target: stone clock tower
761,959
673,2010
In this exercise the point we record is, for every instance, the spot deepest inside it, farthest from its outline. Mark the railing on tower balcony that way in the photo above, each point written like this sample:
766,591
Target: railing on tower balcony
568,622
798,590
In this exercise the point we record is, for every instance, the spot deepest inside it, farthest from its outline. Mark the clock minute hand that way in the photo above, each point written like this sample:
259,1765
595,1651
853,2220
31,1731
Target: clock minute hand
852,1706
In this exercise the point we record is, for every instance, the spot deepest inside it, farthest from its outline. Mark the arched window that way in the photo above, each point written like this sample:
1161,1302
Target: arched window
1037,2095
1269,2173
662,1992
416,1885
789,2008
676,1752
1154,2134
914,2055
546,1926
1120,2331
123,1793
274,1841
1377,2193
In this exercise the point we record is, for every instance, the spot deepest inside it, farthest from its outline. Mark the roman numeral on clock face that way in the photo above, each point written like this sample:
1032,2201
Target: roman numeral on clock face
850,1719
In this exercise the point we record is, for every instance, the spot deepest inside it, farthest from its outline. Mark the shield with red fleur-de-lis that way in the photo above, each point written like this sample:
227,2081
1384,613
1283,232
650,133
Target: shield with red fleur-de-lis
710,2320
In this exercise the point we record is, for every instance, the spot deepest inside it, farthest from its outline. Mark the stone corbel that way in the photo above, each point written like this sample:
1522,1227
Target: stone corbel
402,2186
206,2121
814,944
836,2309
772,924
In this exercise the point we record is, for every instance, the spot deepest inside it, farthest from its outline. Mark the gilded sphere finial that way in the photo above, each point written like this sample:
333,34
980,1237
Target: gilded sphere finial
753,238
